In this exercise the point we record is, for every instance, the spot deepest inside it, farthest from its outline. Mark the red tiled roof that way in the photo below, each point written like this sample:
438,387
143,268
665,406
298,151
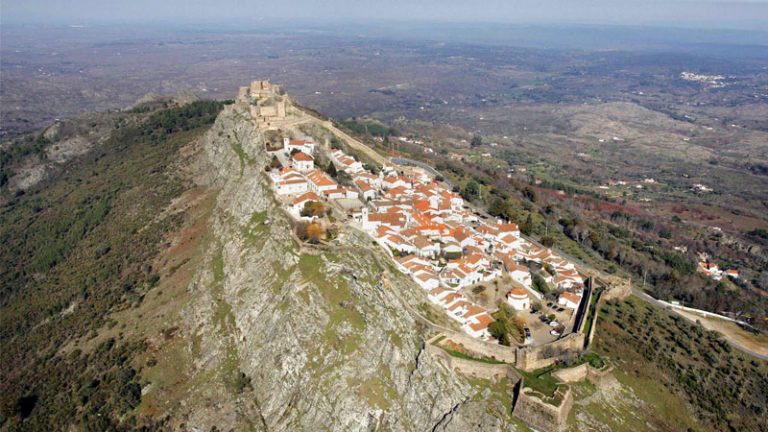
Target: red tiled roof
303,157
309,196
483,321
571,297
518,292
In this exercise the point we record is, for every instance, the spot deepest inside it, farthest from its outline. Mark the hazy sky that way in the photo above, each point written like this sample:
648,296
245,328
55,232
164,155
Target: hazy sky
685,13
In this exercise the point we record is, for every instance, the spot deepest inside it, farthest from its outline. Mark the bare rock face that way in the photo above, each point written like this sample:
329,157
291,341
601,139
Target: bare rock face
286,338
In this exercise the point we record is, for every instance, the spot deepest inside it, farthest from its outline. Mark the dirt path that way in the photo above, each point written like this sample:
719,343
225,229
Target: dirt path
757,343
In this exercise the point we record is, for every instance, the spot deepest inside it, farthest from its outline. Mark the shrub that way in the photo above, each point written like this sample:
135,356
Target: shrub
313,209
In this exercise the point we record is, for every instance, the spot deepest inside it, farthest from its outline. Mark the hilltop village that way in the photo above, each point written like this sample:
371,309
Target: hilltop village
450,249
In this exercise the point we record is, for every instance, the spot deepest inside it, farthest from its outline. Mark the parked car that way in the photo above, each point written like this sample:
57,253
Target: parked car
555,332
554,324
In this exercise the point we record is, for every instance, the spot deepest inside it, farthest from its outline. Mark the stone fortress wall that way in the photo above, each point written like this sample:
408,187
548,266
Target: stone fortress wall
490,371
541,415
598,377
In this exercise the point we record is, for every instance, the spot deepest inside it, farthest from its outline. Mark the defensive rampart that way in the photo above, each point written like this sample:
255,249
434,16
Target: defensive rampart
542,413
474,368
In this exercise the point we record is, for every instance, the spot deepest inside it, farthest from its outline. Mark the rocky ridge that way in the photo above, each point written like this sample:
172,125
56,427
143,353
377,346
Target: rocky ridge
285,337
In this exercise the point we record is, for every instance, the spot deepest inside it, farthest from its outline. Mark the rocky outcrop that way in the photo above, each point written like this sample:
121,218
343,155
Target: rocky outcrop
286,338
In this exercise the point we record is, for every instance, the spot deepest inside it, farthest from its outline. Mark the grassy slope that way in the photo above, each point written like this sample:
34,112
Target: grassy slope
75,250
682,371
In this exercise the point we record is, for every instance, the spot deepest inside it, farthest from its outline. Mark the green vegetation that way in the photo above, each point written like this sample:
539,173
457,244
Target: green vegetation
369,128
470,191
591,311
593,359
540,285
465,356
85,240
476,141
217,266
498,392
541,380
313,209
184,118
18,150
725,388
341,307
507,328
242,156
255,229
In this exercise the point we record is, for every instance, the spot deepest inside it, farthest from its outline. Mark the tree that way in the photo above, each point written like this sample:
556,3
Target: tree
275,164
527,226
344,178
301,230
501,207
477,140
471,190
539,284
373,168
331,170
530,194
498,330
315,232
313,209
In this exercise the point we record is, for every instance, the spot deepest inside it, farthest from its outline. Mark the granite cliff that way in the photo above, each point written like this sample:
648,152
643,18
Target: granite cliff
286,337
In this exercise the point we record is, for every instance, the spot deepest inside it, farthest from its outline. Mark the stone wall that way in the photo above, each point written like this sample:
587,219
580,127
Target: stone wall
598,377
593,328
541,415
616,289
480,348
532,358
572,374
473,368
583,310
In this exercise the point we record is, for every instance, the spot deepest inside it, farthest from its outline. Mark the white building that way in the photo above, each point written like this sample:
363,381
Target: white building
569,300
477,326
302,162
518,298
521,275
427,280
303,146
298,203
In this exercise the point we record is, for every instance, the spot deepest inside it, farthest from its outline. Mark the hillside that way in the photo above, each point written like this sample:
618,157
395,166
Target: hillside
155,283
157,276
